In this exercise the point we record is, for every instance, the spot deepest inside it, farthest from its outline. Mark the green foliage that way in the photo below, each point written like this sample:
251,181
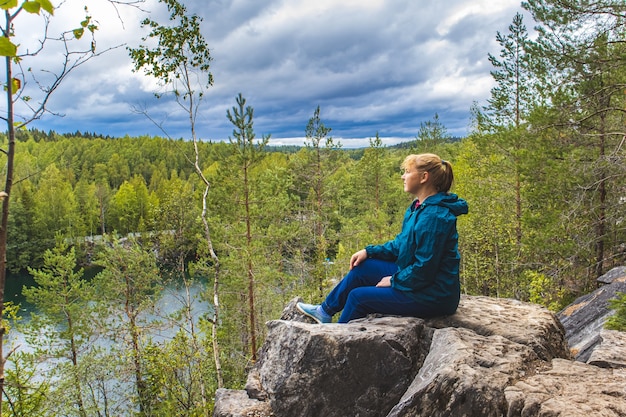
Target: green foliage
181,48
177,377
618,320
246,155
575,45
486,234
11,314
129,208
62,326
61,293
8,48
542,290
130,281
130,286
514,95
315,166
431,134
55,206
28,392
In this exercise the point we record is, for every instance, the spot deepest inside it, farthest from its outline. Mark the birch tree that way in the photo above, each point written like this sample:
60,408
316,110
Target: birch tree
181,63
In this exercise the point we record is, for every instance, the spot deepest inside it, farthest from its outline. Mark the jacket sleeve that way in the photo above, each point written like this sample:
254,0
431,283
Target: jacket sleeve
387,251
431,233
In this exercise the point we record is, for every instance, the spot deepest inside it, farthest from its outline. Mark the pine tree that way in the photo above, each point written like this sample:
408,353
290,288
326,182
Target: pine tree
63,298
583,70
509,107
431,134
316,173
247,153
129,286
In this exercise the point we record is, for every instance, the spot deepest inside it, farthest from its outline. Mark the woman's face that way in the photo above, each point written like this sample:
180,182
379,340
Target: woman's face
412,179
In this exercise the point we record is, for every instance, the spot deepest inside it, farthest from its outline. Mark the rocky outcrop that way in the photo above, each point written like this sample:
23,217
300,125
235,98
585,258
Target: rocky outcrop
465,374
567,389
237,403
610,352
340,370
527,324
583,320
494,357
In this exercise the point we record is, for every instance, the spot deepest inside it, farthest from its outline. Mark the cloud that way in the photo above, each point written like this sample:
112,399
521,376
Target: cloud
372,67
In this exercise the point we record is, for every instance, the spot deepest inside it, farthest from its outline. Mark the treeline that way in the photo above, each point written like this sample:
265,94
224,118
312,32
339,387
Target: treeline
306,200
543,172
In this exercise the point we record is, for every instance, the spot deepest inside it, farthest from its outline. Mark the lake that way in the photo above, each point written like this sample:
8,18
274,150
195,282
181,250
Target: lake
171,300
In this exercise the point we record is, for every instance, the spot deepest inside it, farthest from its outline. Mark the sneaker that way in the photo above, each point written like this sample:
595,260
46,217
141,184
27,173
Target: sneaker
314,311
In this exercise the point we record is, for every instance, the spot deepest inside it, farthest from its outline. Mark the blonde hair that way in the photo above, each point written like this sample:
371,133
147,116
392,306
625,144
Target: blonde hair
440,171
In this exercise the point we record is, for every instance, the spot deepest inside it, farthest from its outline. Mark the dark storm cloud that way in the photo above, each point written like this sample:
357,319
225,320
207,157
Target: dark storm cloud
372,67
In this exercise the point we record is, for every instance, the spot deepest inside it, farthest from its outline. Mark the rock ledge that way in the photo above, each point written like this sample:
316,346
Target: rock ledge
494,357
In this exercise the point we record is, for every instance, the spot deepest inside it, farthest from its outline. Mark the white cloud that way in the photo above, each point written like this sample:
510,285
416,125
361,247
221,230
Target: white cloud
461,10
375,66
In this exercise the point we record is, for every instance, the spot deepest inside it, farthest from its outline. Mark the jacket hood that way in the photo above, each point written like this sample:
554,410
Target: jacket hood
450,201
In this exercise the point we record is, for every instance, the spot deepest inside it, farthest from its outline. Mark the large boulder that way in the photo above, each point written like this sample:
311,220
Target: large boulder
494,357
336,370
528,324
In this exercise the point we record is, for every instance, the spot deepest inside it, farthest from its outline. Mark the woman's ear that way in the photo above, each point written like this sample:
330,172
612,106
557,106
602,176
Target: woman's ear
425,177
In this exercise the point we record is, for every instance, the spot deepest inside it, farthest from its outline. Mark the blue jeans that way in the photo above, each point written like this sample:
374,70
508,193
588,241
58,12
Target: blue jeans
358,296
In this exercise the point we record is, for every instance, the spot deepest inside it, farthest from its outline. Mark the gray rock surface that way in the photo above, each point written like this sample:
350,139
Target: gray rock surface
494,357
398,366
584,319
336,370
465,375
614,274
611,351
524,323
569,388
236,403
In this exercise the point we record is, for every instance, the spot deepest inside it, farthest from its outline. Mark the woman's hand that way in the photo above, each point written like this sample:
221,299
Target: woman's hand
357,258
385,282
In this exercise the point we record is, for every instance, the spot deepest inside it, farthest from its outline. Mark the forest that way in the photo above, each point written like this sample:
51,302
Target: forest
157,261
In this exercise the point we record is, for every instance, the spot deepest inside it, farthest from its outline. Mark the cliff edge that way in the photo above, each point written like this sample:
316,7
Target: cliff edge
494,357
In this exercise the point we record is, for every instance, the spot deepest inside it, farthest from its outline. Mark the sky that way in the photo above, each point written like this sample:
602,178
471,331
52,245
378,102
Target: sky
372,66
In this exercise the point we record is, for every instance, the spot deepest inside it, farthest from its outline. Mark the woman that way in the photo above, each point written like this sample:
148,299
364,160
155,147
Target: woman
417,273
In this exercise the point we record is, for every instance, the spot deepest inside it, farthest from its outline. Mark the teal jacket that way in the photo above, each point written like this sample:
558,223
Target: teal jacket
426,252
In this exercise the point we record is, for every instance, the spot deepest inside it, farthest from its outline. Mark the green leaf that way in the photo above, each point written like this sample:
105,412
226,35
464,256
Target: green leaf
8,4
78,33
46,5
16,84
7,48
32,6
